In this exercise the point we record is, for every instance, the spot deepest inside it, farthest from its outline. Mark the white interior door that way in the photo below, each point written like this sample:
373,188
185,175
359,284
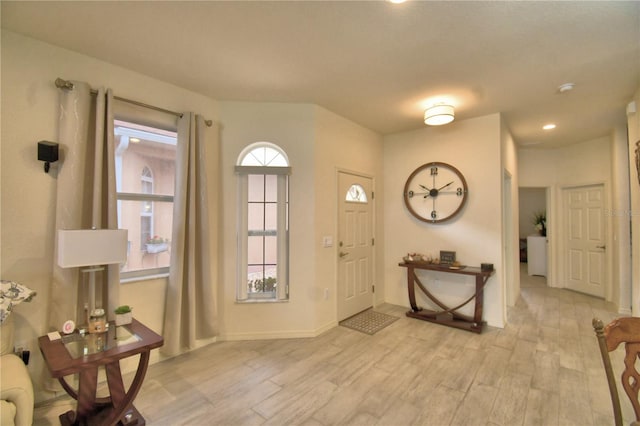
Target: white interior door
355,245
585,237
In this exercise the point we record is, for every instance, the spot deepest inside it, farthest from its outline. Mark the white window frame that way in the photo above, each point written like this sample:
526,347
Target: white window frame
282,269
147,179
126,134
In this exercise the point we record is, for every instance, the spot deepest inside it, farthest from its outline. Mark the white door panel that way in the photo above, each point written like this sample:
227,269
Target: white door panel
585,239
355,251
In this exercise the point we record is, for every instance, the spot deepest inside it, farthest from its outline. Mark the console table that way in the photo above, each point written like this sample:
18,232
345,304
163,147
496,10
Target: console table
448,315
82,355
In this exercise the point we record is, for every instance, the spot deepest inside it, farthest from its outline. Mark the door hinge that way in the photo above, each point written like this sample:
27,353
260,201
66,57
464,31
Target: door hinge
373,195
373,241
373,289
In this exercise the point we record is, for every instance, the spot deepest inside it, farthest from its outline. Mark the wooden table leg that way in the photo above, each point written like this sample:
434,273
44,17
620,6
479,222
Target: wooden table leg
477,314
86,397
114,380
87,392
412,290
123,409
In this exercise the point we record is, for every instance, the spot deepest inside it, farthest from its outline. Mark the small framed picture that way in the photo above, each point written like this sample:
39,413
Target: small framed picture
447,257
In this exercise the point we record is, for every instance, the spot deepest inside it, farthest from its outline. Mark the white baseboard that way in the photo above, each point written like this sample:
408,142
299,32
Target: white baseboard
625,311
293,334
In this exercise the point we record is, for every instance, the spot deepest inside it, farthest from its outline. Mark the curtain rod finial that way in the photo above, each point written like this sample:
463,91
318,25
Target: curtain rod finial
64,84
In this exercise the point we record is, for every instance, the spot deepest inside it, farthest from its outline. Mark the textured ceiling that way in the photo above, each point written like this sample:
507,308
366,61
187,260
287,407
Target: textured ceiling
373,62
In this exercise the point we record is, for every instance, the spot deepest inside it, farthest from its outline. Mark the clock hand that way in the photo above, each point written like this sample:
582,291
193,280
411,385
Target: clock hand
424,187
442,187
413,194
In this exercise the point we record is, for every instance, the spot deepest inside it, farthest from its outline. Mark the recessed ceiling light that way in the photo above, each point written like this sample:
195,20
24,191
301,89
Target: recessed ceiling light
549,126
397,1
134,140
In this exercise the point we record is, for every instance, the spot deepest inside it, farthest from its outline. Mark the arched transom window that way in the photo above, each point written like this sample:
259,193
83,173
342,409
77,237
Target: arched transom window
356,194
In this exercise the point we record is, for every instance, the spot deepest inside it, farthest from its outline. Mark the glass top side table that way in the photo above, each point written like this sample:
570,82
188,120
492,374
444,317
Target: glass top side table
83,355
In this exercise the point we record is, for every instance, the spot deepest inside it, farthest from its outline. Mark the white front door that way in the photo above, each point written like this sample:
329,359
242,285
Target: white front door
355,244
585,237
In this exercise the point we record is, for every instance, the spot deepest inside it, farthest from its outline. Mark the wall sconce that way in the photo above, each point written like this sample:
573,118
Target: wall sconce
47,152
438,115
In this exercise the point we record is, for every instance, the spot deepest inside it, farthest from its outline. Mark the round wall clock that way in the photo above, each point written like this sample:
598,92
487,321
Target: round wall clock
435,192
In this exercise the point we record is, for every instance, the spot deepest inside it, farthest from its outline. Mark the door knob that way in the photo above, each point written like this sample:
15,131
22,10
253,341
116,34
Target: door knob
602,247
343,254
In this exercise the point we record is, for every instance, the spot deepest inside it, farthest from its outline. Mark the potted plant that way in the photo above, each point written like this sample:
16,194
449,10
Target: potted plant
157,244
123,315
540,223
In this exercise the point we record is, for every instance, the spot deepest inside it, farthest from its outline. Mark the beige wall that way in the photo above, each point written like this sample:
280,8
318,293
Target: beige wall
317,143
291,127
475,147
621,221
509,219
343,145
633,125
28,195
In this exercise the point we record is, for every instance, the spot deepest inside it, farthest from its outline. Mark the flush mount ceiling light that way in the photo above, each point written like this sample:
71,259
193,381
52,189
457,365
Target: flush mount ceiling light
549,126
438,115
566,87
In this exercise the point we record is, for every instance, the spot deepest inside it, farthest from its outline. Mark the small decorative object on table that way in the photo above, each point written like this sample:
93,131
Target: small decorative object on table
123,315
417,257
97,321
486,267
447,257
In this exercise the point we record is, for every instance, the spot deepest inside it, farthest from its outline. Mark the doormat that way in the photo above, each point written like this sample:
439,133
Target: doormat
369,321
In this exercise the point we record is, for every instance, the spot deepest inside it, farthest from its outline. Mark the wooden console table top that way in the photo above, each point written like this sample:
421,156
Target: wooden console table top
463,269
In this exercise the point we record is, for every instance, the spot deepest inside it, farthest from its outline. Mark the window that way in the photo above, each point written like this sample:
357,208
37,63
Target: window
263,223
356,194
145,174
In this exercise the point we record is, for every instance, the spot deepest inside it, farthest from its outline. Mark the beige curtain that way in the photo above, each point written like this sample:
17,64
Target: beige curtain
86,194
190,312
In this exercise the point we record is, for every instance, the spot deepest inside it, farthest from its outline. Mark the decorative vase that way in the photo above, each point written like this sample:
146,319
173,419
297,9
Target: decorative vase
123,319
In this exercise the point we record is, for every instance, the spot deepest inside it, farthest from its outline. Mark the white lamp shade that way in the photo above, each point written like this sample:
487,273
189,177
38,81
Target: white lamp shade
91,247
438,115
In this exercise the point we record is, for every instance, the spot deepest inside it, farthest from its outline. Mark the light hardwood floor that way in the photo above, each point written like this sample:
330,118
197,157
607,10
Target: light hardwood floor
544,368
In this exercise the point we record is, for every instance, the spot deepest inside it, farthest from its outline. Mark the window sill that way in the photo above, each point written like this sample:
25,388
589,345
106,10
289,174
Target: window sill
144,278
257,301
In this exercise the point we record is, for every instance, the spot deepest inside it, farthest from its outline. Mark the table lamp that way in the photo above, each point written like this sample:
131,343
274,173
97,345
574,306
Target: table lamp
91,249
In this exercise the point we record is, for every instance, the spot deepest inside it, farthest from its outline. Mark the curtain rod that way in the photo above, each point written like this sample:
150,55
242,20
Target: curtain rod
67,85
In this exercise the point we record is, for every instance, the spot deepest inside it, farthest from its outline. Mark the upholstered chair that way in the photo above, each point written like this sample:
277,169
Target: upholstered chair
16,389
